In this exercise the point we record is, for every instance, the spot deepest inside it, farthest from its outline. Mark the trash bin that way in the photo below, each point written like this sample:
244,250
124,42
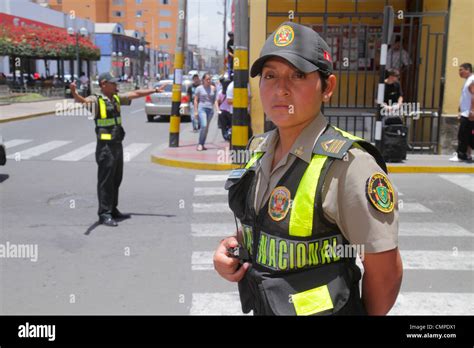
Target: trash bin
394,141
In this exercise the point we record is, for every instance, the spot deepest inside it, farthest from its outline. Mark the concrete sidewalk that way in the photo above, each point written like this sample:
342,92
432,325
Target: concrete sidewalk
22,111
217,157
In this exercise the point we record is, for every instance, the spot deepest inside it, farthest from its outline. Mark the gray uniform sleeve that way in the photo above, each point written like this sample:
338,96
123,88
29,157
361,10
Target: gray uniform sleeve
92,105
345,202
124,99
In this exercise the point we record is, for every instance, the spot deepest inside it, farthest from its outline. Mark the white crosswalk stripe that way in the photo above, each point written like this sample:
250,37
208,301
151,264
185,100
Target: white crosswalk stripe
129,152
422,303
413,208
412,259
213,230
216,303
202,261
210,191
210,178
427,229
211,208
133,150
78,154
15,142
465,181
39,150
452,260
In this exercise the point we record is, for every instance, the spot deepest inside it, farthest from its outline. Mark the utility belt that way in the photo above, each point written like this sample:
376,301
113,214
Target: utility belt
114,134
328,290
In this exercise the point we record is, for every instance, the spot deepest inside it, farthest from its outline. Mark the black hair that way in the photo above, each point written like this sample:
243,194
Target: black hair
225,84
205,75
393,72
195,75
324,81
467,66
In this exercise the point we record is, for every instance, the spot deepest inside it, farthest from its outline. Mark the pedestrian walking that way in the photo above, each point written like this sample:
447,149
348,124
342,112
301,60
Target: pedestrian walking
225,115
466,116
205,103
191,92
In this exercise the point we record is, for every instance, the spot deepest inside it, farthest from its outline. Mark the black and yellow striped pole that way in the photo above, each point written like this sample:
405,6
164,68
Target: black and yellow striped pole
240,122
175,119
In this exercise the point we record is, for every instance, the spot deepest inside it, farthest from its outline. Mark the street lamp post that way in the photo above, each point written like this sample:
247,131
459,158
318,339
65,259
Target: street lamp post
83,33
224,15
141,49
160,64
116,62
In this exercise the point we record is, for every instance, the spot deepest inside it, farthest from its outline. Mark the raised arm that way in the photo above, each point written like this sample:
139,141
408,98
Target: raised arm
78,98
139,93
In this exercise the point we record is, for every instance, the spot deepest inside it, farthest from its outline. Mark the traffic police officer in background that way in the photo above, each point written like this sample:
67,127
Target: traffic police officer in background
309,197
110,134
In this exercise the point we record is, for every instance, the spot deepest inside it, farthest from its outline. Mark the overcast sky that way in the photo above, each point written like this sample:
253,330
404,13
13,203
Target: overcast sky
203,19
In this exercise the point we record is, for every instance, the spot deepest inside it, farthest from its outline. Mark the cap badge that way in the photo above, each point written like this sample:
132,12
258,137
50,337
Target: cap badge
284,36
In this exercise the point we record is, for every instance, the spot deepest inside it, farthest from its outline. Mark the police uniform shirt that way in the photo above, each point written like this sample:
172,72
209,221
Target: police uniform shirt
345,202
93,99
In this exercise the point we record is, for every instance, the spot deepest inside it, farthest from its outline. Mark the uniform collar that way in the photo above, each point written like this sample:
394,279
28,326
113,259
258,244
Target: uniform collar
304,144
103,96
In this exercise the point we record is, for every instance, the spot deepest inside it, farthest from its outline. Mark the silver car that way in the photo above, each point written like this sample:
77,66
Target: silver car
159,104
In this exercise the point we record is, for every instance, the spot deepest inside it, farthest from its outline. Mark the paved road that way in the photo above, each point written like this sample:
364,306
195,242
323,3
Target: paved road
159,261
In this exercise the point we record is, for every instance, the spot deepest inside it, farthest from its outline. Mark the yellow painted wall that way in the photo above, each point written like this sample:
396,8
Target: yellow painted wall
460,50
258,15
429,73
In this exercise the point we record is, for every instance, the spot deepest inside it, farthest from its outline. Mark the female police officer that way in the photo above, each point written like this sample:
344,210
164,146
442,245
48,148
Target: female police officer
310,196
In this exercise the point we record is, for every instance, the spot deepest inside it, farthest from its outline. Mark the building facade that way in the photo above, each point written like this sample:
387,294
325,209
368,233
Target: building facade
431,33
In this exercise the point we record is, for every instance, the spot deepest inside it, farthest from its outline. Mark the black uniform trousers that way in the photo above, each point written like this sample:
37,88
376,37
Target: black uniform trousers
109,158
465,137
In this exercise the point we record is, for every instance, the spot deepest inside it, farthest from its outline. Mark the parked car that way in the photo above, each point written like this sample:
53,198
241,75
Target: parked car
3,154
159,104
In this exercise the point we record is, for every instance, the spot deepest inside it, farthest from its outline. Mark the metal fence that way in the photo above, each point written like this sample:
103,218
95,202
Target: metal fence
354,37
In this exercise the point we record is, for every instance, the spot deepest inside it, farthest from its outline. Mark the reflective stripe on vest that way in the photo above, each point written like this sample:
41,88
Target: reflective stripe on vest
103,113
108,122
348,135
302,211
256,156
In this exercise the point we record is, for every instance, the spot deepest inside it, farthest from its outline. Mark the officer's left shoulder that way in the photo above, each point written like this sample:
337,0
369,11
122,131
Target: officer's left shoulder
362,175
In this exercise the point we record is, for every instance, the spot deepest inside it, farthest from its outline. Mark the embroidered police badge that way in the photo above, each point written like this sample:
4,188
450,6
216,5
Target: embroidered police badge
279,203
284,36
380,193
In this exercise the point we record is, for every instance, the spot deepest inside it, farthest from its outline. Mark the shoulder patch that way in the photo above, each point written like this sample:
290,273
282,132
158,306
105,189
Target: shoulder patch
332,146
257,140
380,193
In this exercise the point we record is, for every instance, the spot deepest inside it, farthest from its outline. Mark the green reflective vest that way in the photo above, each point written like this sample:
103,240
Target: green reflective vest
296,254
110,117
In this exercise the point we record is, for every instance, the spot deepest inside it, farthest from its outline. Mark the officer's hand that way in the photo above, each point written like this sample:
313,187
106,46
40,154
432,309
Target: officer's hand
73,87
227,266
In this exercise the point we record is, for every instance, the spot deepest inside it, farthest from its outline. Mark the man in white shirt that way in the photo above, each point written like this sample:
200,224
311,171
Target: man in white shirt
397,57
466,116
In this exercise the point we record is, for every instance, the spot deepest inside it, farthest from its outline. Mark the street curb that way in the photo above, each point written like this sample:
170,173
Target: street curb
19,118
192,164
429,169
43,113
165,161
